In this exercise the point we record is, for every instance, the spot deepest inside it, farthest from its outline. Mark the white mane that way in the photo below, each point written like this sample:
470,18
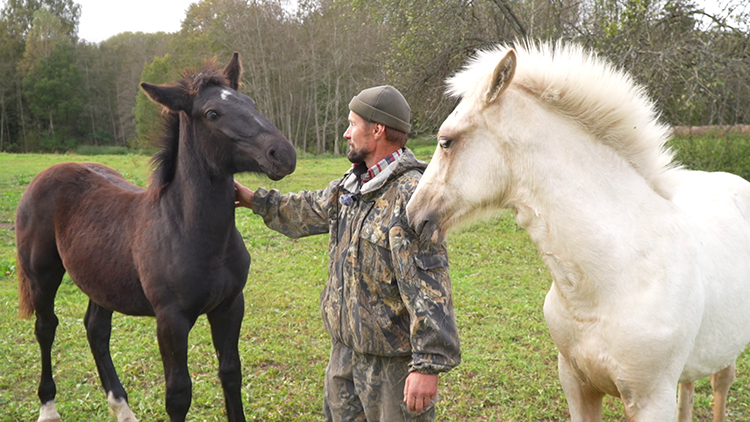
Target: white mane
591,91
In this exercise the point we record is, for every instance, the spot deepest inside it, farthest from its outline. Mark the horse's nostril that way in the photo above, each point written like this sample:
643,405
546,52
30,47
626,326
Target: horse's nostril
420,226
272,155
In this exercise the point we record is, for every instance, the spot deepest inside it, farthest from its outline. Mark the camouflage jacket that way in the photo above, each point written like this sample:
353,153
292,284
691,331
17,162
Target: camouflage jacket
388,291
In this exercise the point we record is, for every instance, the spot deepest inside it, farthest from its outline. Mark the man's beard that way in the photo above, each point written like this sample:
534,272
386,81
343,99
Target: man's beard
355,157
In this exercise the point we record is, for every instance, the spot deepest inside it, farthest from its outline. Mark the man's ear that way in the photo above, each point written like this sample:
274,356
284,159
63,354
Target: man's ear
378,129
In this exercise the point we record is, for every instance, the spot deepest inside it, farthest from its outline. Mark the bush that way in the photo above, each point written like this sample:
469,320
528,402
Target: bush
102,150
52,143
730,154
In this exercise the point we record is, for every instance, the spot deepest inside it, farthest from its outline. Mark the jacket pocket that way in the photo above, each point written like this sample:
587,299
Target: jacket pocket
431,261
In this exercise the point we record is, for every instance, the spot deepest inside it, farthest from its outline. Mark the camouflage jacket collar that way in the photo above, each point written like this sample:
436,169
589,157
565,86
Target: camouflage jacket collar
401,165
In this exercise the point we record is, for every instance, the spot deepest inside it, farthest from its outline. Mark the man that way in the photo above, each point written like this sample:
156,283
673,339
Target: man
387,304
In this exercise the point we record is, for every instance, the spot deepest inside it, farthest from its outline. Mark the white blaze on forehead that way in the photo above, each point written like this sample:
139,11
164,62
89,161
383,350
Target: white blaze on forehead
225,93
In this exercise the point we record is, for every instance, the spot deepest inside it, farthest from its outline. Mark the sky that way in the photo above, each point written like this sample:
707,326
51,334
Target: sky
101,19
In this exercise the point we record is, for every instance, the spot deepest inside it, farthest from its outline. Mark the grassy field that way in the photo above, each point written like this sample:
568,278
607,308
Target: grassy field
509,369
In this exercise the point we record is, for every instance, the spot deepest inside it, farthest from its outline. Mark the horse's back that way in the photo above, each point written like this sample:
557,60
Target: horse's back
68,185
718,204
82,217
713,194
112,176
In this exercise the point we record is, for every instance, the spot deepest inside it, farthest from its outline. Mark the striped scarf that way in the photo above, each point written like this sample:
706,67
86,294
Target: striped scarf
382,164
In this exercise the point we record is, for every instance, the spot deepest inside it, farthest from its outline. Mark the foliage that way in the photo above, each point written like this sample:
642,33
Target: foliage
148,120
125,56
691,73
20,15
47,30
509,369
55,98
428,42
303,64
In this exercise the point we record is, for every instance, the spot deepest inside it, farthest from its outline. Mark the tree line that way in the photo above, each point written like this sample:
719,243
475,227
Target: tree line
303,62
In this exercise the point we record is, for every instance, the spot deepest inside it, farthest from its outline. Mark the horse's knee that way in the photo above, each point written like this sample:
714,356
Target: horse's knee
230,375
229,369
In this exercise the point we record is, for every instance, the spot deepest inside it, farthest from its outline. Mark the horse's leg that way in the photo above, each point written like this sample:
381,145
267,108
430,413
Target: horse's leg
685,395
98,322
40,272
46,284
172,329
647,402
225,330
584,402
721,382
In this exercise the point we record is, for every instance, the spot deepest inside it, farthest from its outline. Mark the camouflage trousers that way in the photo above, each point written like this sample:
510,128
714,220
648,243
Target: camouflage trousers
369,388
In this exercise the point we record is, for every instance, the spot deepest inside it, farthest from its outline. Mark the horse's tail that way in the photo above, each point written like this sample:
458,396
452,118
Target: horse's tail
25,302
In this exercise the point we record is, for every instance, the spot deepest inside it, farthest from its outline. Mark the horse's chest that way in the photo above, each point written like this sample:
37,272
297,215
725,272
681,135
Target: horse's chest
197,280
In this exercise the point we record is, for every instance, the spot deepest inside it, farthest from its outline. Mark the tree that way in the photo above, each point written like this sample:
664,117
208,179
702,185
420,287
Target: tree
9,119
47,30
55,97
16,21
148,121
695,75
20,15
124,58
303,64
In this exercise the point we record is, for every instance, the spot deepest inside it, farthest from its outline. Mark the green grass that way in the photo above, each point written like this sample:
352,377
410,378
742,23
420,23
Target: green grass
509,369
730,153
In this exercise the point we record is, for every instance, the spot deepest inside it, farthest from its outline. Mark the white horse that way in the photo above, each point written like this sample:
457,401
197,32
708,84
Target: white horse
650,261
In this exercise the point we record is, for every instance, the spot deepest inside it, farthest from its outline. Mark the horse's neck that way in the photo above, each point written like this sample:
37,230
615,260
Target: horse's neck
587,210
202,196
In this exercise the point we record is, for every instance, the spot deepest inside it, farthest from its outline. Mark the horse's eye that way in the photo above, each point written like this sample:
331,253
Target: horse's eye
212,115
445,143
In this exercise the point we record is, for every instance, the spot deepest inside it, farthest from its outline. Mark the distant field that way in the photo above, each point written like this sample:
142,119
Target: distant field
509,369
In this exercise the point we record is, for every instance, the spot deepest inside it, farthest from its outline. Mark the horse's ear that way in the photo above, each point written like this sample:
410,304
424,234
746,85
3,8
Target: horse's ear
172,97
233,71
502,76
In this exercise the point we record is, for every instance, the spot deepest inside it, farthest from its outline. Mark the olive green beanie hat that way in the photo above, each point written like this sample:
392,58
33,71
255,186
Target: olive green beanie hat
384,105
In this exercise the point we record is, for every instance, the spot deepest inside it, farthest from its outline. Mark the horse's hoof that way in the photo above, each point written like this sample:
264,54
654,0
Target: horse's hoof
48,413
120,409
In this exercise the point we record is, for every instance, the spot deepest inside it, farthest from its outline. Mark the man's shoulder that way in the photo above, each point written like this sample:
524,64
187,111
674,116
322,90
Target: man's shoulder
405,183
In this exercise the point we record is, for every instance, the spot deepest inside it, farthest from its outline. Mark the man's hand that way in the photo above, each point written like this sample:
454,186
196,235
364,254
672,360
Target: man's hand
419,391
243,197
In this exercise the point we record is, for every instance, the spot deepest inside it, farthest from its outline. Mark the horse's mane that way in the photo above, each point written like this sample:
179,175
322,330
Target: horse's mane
590,90
164,162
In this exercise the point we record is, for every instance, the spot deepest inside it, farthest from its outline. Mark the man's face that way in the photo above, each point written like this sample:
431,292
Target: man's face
360,138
